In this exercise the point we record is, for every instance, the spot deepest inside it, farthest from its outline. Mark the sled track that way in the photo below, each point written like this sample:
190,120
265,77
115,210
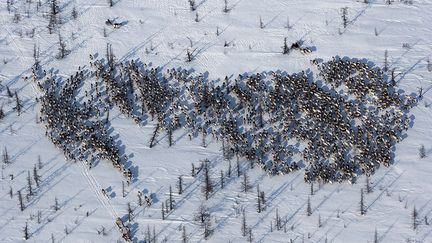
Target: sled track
97,190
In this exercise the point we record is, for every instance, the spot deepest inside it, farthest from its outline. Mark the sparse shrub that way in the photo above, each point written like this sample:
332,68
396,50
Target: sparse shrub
422,151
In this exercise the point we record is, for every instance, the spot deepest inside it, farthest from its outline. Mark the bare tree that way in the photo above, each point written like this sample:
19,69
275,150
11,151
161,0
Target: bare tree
17,17
171,207
184,235
222,179
207,229
368,186
29,186
376,236
63,52
238,167
312,188
20,200
26,232
40,165
203,216
9,92
344,13
170,134
362,205
429,65
422,151
56,204
6,159
245,185
244,227
2,114
414,217
163,212
51,24
38,5
288,25
278,220
53,16
250,235
420,96
39,216
74,13
36,177
203,141
36,54
226,9
148,235
385,68
208,184
393,77
102,231
9,4
180,185
18,105
259,208
111,61
285,47
263,200
130,212
192,5
140,200
166,206
193,170
54,7
154,238
229,168
190,55
261,23
308,207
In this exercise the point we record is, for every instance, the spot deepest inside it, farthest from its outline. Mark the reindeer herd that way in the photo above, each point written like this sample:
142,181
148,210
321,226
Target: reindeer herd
343,125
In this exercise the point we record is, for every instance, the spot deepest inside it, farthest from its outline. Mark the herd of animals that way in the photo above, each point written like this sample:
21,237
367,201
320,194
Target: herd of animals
336,124
336,128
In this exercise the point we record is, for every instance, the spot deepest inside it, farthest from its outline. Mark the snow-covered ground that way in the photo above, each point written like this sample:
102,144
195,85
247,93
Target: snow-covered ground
160,32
